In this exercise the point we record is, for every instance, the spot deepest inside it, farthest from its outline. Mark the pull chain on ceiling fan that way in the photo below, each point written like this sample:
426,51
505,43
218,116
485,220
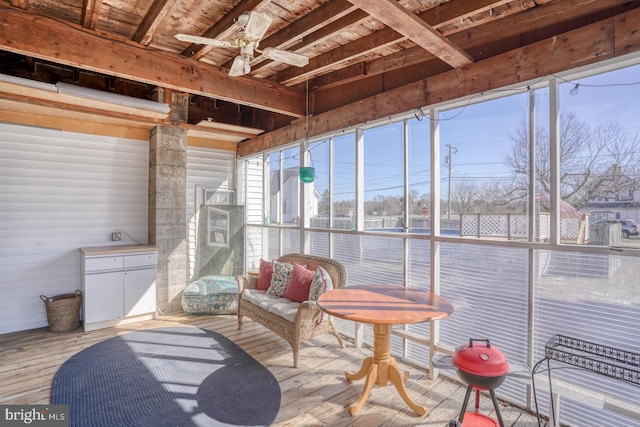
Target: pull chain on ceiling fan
251,27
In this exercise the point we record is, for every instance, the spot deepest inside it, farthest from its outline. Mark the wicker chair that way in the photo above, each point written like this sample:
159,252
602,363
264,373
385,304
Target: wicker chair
310,321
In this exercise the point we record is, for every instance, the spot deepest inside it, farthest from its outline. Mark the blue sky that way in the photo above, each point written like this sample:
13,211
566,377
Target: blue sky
480,133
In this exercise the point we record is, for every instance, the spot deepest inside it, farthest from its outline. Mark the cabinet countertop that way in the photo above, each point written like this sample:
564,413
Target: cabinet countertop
122,249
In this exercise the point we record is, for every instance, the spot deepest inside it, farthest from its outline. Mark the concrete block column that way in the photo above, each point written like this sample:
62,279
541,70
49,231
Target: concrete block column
167,218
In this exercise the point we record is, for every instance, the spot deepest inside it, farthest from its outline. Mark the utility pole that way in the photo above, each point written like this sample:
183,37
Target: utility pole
454,150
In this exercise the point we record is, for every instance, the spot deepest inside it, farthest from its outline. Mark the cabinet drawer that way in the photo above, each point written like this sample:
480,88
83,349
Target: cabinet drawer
103,263
141,260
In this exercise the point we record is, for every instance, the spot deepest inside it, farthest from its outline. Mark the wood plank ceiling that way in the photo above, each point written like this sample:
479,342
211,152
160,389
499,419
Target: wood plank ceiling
362,53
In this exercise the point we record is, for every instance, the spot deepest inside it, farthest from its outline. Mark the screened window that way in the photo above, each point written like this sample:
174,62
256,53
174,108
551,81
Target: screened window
343,202
484,169
600,165
419,171
320,160
384,178
507,172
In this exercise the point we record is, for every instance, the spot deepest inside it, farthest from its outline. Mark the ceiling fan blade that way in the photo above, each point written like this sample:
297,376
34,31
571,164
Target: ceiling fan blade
240,66
285,56
257,25
203,40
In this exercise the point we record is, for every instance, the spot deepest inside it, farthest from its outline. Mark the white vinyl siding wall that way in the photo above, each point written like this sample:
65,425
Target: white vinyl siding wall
60,191
210,169
255,214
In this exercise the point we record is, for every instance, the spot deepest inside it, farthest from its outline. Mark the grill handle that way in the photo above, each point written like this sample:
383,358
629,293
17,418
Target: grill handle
486,340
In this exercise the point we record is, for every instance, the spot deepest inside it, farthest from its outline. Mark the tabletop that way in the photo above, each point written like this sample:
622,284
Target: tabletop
384,304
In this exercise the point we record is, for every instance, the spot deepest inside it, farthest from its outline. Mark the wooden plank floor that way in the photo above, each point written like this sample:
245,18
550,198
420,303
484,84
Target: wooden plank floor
314,394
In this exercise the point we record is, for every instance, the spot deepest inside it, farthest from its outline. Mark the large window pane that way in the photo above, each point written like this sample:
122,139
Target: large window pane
343,200
600,165
419,174
319,152
384,178
284,187
484,185
290,240
594,298
291,186
489,291
273,213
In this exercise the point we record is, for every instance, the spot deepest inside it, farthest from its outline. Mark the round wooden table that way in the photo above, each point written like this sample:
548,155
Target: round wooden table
383,306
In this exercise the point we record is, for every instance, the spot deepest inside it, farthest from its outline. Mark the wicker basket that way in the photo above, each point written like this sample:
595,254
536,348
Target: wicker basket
63,311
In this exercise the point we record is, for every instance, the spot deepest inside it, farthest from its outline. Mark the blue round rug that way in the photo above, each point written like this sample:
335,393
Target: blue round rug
183,376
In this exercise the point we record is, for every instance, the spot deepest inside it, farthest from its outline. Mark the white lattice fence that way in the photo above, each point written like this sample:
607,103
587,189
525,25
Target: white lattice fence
512,226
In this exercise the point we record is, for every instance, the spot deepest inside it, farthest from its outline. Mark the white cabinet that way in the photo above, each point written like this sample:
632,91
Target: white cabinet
119,285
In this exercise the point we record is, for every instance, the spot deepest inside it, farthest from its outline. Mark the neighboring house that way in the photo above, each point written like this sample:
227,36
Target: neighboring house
288,197
618,198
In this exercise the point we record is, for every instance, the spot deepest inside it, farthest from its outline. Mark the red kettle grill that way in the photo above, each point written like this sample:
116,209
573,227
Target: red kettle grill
481,367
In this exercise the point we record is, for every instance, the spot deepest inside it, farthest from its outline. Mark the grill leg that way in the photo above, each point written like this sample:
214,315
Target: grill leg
464,405
496,407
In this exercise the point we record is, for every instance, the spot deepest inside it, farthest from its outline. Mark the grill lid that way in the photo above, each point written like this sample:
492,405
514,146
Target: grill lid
479,358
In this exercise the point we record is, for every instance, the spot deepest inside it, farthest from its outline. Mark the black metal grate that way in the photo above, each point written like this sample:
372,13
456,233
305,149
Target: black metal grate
609,361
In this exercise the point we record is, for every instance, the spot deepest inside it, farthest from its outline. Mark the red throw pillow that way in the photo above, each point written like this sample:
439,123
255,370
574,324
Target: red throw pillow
298,289
264,275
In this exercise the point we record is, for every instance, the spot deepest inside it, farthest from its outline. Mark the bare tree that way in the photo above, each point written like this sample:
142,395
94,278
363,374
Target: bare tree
463,195
587,156
500,198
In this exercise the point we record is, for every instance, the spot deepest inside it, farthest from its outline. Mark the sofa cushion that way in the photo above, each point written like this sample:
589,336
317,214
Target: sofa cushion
281,277
320,283
298,289
279,306
264,275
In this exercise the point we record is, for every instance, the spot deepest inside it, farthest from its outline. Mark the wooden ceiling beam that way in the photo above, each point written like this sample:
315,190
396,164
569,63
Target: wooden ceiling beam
90,13
22,4
459,11
51,40
324,33
342,55
152,21
480,41
309,25
438,17
494,14
606,39
407,23
311,22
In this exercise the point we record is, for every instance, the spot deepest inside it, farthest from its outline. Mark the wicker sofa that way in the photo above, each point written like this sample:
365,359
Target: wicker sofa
305,321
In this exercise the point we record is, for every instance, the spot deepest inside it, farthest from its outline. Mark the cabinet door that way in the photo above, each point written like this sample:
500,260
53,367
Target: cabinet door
103,297
140,291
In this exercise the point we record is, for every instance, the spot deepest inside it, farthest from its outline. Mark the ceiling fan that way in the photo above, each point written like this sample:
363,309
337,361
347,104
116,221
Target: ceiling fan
251,27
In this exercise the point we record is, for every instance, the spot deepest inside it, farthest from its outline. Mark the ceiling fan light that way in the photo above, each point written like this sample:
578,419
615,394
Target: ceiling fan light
243,19
237,67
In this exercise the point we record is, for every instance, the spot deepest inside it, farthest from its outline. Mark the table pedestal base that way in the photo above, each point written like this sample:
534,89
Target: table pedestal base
381,369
